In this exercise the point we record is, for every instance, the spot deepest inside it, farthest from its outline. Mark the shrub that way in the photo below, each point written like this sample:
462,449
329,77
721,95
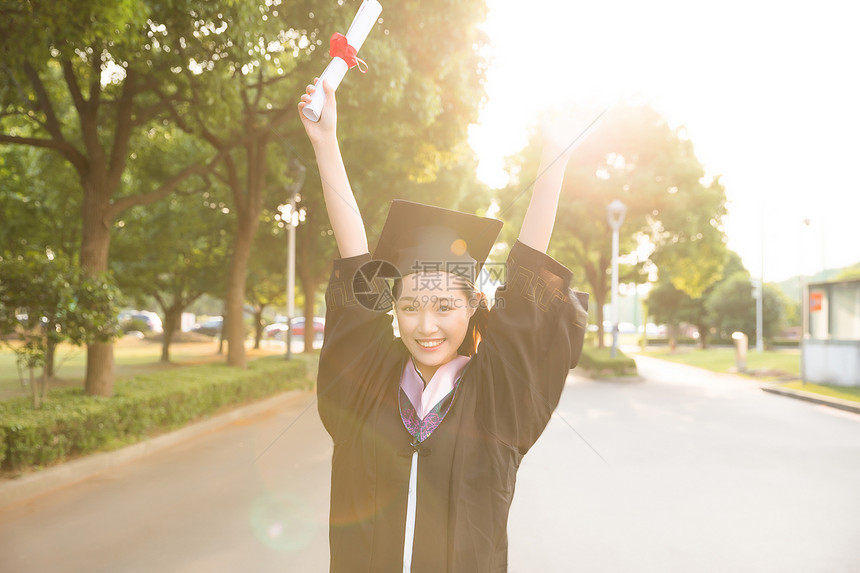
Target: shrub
598,362
134,324
71,423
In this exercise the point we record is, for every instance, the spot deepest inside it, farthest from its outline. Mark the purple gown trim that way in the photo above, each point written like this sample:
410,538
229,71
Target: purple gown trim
420,429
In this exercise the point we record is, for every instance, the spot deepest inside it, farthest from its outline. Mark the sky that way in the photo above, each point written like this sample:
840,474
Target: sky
768,92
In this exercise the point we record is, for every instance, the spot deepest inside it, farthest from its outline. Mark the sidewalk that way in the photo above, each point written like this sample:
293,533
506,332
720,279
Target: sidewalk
67,473
812,397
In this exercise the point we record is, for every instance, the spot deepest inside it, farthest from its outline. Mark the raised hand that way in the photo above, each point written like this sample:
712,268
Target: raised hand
326,127
340,201
560,129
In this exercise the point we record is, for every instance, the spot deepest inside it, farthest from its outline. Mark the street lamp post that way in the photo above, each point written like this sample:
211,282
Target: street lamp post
291,217
758,294
804,303
615,212
758,289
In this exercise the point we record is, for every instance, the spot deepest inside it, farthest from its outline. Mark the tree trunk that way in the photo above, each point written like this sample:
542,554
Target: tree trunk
703,335
248,207
50,354
258,325
672,331
222,332
309,280
235,327
95,244
310,331
33,389
43,387
600,333
172,319
596,275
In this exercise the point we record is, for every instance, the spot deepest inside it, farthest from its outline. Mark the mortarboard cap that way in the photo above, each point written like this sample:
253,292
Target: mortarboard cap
422,238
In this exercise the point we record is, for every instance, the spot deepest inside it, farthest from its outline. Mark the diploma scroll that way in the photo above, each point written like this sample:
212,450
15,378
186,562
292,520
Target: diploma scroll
337,67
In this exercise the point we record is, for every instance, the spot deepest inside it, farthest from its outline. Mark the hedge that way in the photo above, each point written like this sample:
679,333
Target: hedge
71,423
598,362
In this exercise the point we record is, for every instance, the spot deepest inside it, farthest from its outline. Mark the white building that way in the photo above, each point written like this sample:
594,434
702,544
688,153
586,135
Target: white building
831,340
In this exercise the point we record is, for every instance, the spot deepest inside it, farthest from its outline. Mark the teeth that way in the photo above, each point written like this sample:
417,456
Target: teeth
429,344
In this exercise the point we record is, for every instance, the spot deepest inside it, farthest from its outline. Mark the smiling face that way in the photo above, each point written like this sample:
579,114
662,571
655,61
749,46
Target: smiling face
433,313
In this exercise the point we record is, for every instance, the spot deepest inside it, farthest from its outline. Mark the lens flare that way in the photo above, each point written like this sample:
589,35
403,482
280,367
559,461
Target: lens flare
282,522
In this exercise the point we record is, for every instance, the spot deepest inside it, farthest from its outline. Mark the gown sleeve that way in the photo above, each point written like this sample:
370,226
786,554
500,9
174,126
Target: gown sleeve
359,348
534,337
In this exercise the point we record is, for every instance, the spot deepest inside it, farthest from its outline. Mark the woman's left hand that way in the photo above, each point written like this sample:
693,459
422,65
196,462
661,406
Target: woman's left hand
563,131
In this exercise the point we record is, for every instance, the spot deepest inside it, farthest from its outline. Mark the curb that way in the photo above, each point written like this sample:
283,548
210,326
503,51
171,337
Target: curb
846,405
55,477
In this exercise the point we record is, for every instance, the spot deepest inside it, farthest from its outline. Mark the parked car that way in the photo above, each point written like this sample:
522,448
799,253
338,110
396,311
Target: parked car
626,328
278,330
211,327
148,318
655,330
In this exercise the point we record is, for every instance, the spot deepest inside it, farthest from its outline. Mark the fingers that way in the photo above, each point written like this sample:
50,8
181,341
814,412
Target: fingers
331,102
310,89
306,97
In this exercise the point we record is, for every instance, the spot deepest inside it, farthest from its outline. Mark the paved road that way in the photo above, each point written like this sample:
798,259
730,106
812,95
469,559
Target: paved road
701,473
706,473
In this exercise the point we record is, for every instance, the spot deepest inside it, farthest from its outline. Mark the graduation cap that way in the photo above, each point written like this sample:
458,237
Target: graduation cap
422,238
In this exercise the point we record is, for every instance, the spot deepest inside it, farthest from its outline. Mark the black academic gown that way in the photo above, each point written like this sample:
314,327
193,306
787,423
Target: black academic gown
467,467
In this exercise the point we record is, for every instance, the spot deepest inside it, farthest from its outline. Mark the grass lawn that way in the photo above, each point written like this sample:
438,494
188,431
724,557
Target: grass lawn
770,364
844,392
131,355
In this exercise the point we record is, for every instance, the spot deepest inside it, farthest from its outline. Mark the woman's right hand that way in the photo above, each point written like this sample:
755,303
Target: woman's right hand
326,127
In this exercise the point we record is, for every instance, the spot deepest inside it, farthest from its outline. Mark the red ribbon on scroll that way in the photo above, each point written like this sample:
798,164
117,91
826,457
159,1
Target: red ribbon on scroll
339,48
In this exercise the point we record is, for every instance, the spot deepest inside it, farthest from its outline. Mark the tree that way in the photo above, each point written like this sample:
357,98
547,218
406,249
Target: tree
231,74
732,308
173,251
402,126
235,91
848,273
636,157
267,274
673,307
46,299
39,209
79,78
405,122
39,212
691,245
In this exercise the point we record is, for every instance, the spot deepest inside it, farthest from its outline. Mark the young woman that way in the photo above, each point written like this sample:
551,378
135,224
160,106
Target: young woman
430,427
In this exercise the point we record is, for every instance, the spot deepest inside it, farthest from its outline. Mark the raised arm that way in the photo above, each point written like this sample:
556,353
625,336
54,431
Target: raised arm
562,133
343,213
540,216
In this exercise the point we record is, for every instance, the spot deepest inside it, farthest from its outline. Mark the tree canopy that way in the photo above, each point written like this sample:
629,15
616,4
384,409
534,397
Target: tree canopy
634,156
669,305
107,86
82,79
45,299
731,308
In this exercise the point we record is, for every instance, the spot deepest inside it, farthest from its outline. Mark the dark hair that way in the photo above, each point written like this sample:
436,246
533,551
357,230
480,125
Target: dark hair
477,324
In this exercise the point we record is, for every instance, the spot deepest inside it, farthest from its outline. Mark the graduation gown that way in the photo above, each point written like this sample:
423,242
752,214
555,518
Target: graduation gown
467,467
